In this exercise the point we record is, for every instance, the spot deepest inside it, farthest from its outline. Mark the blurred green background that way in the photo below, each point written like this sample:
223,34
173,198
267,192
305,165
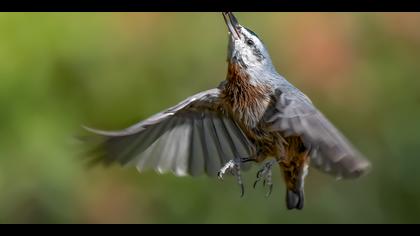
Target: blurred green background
109,70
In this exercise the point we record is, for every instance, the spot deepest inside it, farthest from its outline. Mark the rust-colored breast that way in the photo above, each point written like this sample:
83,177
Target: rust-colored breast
247,102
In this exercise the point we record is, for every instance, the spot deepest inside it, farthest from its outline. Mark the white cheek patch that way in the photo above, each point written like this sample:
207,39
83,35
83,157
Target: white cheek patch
246,58
249,57
238,45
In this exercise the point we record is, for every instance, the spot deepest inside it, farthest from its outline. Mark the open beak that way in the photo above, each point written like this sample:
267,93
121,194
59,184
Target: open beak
232,24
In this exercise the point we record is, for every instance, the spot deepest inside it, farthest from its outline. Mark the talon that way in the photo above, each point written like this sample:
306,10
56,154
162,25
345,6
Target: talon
233,167
255,183
270,189
259,173
242,190
265,175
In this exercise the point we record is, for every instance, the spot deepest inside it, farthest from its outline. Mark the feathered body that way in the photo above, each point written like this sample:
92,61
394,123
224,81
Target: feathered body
247,103
255,113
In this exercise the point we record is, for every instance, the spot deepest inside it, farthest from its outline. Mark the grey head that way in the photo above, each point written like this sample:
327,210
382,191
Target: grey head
246,50
245,47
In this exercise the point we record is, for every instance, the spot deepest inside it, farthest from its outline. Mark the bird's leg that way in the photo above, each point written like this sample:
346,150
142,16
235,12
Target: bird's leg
247,159
234,167
265,174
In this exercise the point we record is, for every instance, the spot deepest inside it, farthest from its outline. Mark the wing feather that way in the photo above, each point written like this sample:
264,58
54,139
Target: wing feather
190,138
295,115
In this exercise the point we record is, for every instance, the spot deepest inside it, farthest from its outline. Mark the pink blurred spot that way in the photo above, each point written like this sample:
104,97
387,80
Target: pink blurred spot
320,48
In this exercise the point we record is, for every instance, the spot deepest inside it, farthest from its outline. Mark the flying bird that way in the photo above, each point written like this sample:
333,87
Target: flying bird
254,115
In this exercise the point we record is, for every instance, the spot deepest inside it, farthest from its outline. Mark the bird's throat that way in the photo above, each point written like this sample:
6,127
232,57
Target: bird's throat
248,102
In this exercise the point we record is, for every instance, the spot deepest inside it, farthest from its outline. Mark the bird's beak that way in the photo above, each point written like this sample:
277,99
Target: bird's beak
232,24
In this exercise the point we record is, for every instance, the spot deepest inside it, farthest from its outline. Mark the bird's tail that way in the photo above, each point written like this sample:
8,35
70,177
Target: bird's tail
295,169
295,199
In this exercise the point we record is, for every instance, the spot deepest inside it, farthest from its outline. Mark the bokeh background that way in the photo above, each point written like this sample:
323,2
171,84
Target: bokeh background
109,70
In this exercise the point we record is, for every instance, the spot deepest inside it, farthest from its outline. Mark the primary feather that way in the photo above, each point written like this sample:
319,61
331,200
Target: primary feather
193,137
294,115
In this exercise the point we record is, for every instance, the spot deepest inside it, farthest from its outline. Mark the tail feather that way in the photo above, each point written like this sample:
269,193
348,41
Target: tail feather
295,200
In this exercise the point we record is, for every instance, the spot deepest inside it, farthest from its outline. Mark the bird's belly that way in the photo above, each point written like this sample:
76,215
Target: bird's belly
249,118
287,150
268,144
251,115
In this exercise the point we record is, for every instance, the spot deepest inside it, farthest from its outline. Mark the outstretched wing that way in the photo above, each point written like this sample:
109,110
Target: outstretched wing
331,152
191,138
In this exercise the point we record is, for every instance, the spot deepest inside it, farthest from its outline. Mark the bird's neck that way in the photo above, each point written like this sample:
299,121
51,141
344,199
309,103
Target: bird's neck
246,100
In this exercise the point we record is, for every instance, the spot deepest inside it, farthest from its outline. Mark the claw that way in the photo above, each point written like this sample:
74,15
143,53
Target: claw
270,189
258,178
259,173
239,178
265,175
220,175
255,183
233,167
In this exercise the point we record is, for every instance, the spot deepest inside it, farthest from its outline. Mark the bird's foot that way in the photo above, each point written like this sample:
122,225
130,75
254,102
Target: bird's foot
234,167
265,174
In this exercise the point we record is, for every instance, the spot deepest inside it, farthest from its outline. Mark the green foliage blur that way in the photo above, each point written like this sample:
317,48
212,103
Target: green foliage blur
59,71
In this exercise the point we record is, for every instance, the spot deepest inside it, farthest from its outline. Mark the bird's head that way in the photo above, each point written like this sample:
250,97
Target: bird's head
245,48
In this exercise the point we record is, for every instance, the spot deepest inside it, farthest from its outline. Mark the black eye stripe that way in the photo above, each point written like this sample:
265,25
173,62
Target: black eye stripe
255,50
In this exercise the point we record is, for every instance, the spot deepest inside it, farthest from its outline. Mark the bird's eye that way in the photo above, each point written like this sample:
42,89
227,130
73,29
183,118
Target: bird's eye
250,42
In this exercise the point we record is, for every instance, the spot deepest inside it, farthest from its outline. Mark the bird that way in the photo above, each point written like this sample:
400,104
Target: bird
254,115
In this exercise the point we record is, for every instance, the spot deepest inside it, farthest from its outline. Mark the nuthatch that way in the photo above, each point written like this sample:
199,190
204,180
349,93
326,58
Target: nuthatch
253,115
